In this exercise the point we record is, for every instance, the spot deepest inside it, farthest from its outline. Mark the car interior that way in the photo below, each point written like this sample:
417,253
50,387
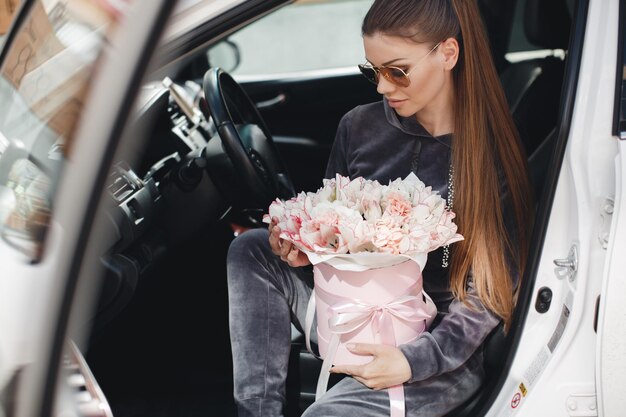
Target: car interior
159,343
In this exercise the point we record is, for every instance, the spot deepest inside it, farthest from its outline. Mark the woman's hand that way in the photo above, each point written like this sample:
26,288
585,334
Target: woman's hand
389,367
285,249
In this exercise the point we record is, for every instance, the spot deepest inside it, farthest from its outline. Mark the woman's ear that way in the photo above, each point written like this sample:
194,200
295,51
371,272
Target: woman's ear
450,52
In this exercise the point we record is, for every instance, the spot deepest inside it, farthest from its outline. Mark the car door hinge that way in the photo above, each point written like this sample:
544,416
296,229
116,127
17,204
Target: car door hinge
606,214
567,267
581,405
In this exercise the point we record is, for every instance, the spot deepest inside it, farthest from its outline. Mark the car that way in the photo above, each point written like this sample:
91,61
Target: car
123,181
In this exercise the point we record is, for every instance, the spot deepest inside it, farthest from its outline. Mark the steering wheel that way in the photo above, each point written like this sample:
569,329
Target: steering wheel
246,140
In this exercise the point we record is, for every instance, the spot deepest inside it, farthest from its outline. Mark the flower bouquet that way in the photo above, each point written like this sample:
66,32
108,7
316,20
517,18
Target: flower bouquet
368,244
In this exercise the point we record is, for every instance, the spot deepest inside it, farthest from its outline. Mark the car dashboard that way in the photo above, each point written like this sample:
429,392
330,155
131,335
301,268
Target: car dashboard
162,198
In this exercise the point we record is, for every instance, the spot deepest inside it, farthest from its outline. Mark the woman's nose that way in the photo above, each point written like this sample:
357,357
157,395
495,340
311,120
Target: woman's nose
384,86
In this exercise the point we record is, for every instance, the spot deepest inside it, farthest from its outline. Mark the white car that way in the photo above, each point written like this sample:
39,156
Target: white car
130,157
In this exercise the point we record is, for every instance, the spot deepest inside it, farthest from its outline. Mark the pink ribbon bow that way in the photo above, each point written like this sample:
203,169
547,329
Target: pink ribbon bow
349,315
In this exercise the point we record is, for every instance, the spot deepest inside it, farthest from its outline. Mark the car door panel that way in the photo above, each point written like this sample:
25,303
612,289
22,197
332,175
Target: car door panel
303,113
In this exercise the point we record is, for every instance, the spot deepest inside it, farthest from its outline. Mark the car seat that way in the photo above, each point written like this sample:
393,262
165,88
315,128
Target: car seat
533,86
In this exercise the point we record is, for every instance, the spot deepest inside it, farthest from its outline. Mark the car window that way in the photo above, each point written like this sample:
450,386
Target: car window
43,82
306,35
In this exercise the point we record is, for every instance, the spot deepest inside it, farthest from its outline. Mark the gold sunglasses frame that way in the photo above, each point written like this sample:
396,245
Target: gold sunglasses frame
386,71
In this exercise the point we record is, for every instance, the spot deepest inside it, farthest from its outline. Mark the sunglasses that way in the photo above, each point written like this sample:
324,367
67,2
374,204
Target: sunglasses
394,75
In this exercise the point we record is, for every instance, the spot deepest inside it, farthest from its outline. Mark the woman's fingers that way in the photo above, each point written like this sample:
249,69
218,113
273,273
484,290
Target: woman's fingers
372,349
281,247
388,368
275,240
287,251
297,258
285,248
352,370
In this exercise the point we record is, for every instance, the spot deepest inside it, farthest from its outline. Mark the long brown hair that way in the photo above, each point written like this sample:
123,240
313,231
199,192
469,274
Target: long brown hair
486,149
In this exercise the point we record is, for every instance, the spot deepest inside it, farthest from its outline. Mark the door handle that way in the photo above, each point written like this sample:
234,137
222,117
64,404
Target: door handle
272,102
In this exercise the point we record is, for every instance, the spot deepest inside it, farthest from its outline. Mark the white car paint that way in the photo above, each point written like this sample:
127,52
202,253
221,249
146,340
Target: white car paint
563,383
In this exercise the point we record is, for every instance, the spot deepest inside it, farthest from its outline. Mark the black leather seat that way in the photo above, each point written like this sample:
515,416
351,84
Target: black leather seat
533,87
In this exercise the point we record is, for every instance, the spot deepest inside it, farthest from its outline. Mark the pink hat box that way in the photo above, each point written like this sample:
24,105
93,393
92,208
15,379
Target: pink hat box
372,290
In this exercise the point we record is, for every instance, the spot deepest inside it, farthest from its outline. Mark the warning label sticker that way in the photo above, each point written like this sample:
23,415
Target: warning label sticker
537,366
560,328
522,389
517,398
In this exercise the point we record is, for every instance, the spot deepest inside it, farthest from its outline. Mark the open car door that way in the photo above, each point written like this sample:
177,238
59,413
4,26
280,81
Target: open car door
68,73
569,359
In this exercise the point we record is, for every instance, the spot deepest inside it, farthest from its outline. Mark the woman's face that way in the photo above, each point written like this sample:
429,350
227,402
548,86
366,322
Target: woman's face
430,87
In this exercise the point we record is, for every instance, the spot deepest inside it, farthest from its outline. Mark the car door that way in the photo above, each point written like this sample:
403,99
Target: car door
610,366
562,364
306,81
67,73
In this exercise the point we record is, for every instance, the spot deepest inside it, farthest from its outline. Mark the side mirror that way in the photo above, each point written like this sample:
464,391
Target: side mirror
225,54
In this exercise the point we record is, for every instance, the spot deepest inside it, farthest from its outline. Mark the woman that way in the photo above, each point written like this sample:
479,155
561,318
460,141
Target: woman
444,116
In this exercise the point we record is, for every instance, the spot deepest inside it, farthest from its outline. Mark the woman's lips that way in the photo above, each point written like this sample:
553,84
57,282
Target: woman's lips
395,103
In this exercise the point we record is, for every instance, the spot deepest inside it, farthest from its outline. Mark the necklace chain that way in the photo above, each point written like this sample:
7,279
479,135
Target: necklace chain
450,201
